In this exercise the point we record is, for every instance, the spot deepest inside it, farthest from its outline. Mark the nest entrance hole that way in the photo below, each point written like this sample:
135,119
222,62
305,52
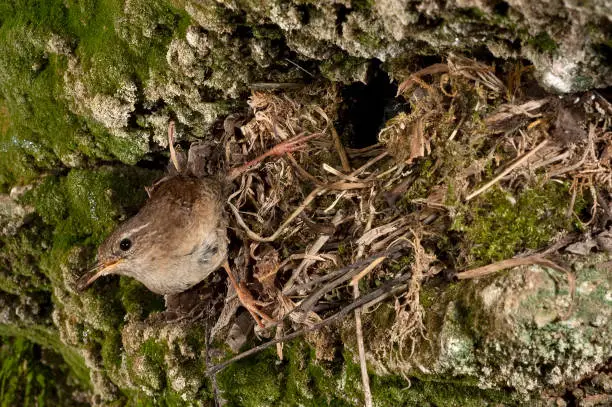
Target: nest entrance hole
366,108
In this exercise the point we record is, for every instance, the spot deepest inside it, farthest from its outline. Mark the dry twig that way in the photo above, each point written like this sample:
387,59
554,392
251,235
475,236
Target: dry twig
506,171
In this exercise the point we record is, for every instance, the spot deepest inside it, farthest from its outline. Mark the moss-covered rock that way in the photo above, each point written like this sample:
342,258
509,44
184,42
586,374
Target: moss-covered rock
519,329
87,87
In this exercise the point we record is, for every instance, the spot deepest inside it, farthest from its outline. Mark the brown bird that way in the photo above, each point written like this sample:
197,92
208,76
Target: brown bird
179,237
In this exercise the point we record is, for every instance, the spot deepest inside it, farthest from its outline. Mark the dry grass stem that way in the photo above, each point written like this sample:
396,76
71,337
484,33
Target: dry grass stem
506,171
346,165
355,280
313,250
505,264
254,236
365,379
538,259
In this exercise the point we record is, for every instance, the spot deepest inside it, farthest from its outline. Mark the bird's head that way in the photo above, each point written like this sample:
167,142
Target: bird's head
123,252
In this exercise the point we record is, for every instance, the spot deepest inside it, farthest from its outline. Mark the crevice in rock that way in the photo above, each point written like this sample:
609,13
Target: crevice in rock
304,11
341,14
501,8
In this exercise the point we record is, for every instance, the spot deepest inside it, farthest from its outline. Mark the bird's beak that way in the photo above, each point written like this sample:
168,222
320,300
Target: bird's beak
93,274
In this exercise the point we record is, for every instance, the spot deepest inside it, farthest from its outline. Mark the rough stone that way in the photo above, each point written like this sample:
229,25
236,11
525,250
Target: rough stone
531,334
12,215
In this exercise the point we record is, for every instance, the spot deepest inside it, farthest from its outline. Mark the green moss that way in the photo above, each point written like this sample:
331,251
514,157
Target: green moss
343,68
543,43
254,382
78,209
394,391
20,271
310,382
87,204
147,368
267,32
301,380
428,390
48,338
363,5
401,264
137,300
497,225
115,44
370,40
164,399
111,350
119,42
26,379
421,186
154,351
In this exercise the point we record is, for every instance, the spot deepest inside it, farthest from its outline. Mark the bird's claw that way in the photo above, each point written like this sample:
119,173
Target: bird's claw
251,304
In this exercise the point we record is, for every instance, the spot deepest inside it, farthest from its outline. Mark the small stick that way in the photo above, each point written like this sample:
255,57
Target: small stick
505,172
355,280
307,304
389,288
430,70
279,149
524,261
348,273
343,186
298,67
332,170
301,171
508,263
213,379
269,86
365,379
346,165
369,164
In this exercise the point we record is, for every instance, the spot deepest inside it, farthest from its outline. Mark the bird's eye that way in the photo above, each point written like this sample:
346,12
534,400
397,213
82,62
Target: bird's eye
125,244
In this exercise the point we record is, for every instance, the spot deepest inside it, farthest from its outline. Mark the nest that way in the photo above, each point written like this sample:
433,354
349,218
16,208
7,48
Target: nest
330,230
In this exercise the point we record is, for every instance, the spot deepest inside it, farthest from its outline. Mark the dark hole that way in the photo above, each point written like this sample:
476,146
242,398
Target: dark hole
501,8
366,108
36,352
341,13
154,161
482,53
428,21
605,51
606,93
304,13
243,31
515,45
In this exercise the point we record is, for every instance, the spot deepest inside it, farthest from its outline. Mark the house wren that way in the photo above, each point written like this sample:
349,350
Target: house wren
179,237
